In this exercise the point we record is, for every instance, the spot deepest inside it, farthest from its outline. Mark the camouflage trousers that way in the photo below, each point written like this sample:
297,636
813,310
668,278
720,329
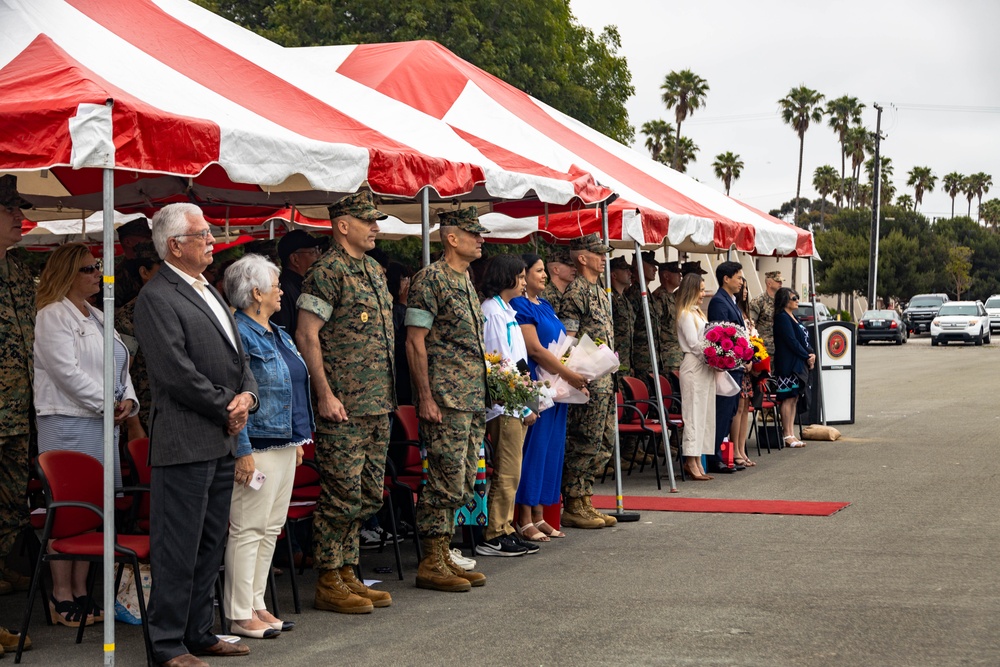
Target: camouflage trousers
13,490
452,458
590,438
351,462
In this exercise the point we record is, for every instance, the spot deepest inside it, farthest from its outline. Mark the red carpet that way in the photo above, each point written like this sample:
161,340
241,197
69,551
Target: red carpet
723,505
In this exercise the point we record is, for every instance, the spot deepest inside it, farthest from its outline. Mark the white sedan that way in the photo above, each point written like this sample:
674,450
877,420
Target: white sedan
966,321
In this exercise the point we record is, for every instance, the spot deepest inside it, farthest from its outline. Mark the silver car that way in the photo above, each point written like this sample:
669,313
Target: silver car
993,308
965,321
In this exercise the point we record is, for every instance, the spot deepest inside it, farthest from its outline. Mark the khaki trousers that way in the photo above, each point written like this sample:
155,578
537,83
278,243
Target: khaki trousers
507,435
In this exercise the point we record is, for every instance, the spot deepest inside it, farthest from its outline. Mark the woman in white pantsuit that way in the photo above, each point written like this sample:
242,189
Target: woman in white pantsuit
697,378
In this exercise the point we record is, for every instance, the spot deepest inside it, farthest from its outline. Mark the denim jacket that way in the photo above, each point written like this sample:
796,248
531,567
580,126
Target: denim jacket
274,418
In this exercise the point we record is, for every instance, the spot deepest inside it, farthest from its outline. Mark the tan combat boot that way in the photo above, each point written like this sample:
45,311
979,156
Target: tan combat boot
378,598
332,594
434,574
607,519
575,515
474,578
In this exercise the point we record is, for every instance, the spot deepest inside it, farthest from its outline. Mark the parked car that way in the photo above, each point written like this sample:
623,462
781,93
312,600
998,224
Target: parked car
966,321
805,312
922,309
993,308
882,325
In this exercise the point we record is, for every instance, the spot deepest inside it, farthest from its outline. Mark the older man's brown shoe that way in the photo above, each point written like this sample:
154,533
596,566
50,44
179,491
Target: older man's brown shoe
221,649
184,660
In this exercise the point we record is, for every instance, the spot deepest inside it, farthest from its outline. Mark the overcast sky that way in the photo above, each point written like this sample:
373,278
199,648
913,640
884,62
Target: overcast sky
899,54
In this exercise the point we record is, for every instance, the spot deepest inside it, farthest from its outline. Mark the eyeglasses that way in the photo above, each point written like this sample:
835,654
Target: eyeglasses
794,298
91,268
205,234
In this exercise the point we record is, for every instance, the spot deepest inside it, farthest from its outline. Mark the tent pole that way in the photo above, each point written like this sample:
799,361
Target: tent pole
815,327
109,412
425,225
616,454
664,420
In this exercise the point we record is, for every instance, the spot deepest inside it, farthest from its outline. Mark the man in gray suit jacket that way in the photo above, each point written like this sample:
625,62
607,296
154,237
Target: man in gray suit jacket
202,392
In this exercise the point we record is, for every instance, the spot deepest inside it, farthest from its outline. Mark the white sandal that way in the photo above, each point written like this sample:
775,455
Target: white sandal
794,444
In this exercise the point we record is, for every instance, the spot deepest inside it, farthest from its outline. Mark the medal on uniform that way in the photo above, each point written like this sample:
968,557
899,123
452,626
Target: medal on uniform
364,317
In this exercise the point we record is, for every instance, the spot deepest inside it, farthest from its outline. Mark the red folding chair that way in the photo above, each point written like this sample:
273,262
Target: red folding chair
73,484
404,465
633,420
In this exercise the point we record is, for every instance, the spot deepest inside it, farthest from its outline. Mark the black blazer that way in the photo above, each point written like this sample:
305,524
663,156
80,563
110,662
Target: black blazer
194,371
722,308
790,347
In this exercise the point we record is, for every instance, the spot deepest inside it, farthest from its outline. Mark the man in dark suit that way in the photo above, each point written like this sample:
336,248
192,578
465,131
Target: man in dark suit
723,308
202,391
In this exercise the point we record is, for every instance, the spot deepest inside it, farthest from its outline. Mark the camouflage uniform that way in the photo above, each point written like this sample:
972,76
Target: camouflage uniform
350,295
669,354
590,429
124,318
127,282
624,319
762,317
642,364
445,302
17,335
552,294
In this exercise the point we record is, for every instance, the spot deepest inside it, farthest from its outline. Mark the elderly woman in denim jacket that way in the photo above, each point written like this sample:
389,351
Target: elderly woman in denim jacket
270,444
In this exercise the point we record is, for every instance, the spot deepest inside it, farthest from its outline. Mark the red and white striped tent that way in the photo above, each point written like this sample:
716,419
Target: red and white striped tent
202,112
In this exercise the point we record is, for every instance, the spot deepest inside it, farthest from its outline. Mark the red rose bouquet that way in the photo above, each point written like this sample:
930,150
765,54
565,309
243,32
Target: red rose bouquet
726,346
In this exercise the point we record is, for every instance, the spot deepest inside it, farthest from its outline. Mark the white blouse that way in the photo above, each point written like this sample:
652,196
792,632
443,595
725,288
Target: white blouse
689,329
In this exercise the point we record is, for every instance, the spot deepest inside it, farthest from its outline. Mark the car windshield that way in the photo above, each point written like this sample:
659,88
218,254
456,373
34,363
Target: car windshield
959,310
993,303
879,315
925,301
804,311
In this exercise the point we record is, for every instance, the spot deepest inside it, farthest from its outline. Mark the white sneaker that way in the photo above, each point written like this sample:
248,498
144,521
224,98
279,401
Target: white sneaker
465,563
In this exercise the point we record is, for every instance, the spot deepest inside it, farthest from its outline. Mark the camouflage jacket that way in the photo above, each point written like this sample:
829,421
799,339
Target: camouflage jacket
445,302
127,282
357,339
642,365
552,294
17,341
762,317
124,325
624,318
586,309
668,349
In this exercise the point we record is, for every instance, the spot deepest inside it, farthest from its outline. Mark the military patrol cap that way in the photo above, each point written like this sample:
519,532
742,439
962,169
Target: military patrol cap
8,193
672,267
620,263
649,257
591,242
137,227
145,252
466,219
360,205
296,240
560,254
774,275
692,267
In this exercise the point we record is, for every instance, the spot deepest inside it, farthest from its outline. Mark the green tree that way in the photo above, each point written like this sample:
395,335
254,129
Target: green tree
859,144
969,190
798,108
728,166
886,189
537,46
989,211
905,202
844,112
959,268
826,181
683,91
979,184
954,185
921,179
659,134
682,153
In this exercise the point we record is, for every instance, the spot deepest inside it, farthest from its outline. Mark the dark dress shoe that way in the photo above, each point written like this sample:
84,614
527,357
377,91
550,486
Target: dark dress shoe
223,649
722,469
184,660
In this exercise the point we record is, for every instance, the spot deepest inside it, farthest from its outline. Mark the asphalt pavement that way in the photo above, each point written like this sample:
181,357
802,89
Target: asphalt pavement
907,575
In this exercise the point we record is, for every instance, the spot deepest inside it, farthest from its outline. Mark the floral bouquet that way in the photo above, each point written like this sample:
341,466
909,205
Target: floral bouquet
761,359
726,346
511,388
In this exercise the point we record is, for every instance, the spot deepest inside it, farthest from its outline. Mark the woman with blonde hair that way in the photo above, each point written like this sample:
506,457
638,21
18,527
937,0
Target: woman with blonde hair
69,393
697,378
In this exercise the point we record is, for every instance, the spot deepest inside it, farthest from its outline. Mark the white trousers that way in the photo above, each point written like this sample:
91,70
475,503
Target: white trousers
255,521
697,406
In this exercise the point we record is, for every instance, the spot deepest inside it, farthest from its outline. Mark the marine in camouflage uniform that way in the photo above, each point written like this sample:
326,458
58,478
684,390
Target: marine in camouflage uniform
762,310
669,354
624,323
147,257
17,336
590,427
551,293
356,340
128,282
642,364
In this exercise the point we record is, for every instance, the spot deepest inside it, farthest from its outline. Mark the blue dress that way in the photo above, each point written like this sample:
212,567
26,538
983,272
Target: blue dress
545,443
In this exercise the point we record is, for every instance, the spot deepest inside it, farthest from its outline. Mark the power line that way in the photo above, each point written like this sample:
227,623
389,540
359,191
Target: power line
951,108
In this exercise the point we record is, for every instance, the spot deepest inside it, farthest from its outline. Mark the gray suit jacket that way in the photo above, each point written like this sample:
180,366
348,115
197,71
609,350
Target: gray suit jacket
194,372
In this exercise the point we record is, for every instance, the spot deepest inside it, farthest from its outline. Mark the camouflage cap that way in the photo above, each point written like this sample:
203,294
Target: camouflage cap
560,255
774,275
137,227
145,252
466,219
8,193
591,242
620,263
692,267
672,267
360,205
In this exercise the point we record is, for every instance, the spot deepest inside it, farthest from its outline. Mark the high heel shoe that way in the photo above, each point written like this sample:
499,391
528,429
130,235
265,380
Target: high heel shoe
269,632
66,612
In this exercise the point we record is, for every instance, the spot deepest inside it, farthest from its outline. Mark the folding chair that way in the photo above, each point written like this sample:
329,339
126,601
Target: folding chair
636,424
675,419
404,465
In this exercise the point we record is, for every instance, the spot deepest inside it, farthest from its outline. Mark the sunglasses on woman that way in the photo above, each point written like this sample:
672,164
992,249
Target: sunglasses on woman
91,268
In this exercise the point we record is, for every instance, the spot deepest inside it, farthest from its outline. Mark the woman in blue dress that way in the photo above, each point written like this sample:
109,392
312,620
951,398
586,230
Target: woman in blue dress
545,444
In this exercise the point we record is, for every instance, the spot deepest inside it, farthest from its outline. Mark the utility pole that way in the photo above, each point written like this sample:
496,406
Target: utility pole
876,209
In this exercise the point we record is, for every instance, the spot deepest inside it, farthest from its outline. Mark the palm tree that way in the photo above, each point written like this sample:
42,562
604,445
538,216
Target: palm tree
728,167
826,181
969,190
864,191
859,143
979,184
683,92
844,112
922,179
683,152
953,186
905,202
886,189
658,133
800,106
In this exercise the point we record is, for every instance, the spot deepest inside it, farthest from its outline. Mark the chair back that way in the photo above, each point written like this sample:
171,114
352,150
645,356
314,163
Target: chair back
619,401
665,388
72,477
138,454
637,390
405,440
407,423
